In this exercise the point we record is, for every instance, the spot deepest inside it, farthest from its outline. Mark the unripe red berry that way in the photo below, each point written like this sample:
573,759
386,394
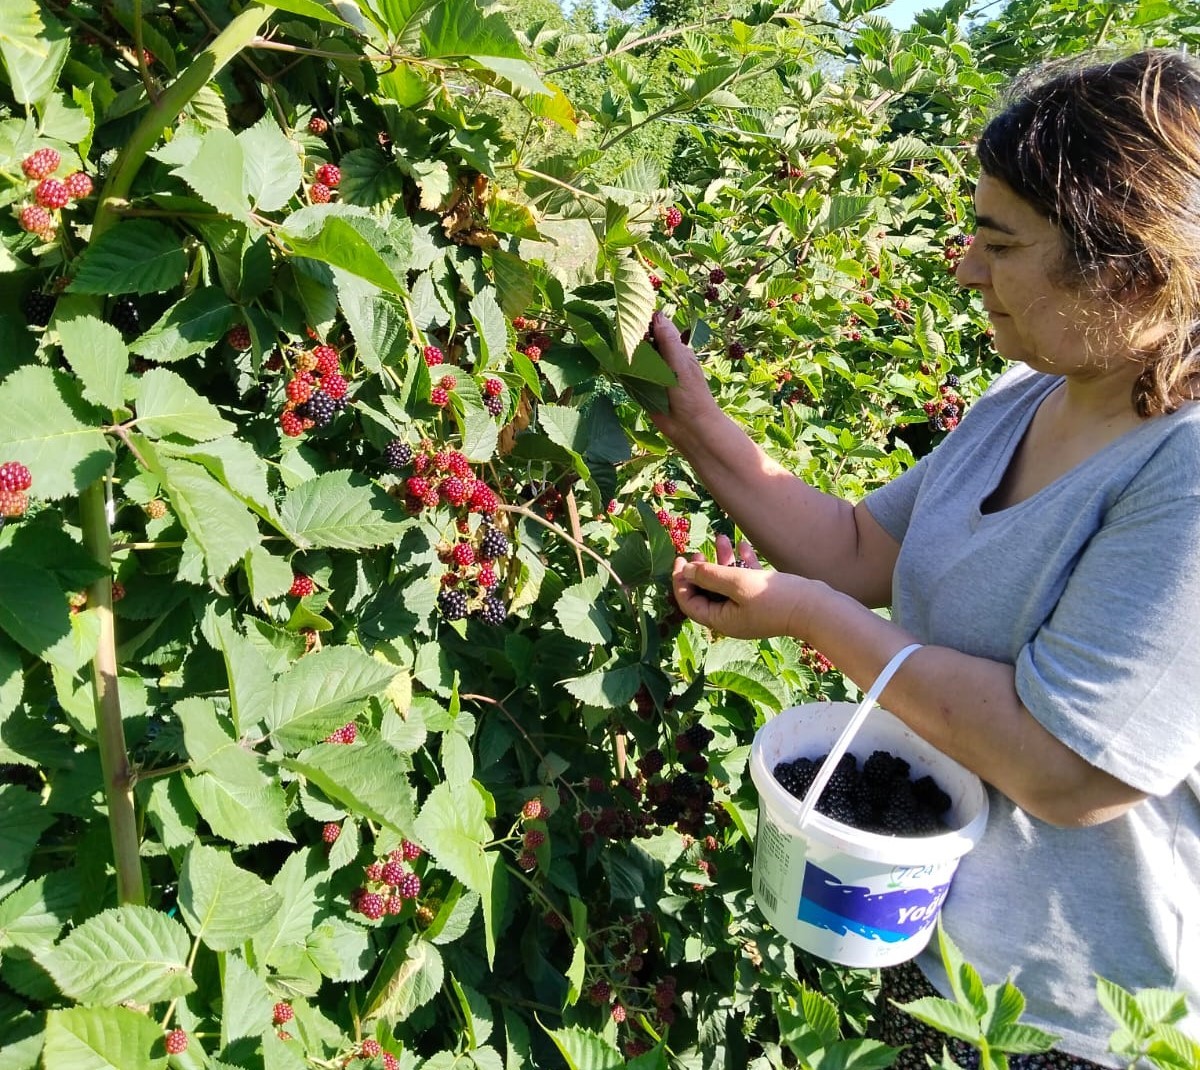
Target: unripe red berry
331,832
533,809
655,282
329,175
390,1062
291,424
368,1049
409,887
283,1013
371,905
318,126
334,385
13,504
527,860
534,353
463,554
239,337
672,217
299,390
410,851
327,360
15,476
52,193
177,1042
36,220
302,585
493,388
439,396
432,356
78,185
391,873
533,839
41,164
618,1013
319,193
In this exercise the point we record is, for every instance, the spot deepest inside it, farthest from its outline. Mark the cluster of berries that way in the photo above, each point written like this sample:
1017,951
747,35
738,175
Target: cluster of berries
325,181
790,392
439,393
955,249
439,477
815,660
544,496
712,292
625,953
666,488
281,1014
469,585
532,340
372,1049
945,412
533,835
15,480
678,527
345,735
787,170
671,218
881,797
315,393
389,883
50,194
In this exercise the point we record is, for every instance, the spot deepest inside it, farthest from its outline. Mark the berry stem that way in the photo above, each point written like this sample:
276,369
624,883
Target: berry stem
110,729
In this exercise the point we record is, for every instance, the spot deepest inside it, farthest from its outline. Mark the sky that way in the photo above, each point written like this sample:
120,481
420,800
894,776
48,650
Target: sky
901,12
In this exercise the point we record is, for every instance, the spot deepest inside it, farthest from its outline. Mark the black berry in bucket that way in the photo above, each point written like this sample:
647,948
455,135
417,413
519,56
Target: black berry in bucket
880,797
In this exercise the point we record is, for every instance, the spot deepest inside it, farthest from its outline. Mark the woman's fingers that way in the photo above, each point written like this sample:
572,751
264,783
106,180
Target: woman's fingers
746,556
724,546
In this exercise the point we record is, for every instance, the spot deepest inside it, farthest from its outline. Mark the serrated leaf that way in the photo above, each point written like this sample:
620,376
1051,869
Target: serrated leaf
606,688
492,326
102,1038
271,169
240,813
453,826
44,427
580,613
635,303
216,173
370,177
190,326
126,954
167,405
1005,1006
584,1050
1016,1039
343,243
945,1015
138,256
410,977
340,510
341,950
12,683
321,692
270,577
35,614
297,884
23,819
377,320
98,357
34,915
246,1003
367,777
221,903
309,9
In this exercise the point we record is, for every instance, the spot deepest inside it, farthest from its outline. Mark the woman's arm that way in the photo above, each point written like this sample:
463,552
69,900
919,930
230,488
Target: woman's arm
797,527
965,706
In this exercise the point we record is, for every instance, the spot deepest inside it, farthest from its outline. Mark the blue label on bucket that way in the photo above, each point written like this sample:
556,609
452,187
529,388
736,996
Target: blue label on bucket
890,916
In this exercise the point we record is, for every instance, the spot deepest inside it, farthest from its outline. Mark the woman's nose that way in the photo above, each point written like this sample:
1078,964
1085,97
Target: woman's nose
971,271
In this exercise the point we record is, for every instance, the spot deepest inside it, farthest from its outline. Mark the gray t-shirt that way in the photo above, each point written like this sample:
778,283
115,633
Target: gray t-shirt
1091,588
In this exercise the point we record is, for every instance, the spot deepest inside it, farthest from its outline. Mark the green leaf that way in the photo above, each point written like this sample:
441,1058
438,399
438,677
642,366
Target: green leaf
377,320
1003,1007
241,813
341,950
309,9
370,178
366,777
584,1050
1120,1005
21,28
270,577
514,282
251,680
34,915
44,427
297,884
1018,1039
341,510
580,613
635,303
351,244
492,327
98,357
947,1016
216,173
126,954
166,405
271,168
410,977
322,692
138,256
23,819
35,614
102,1038
190,326
221,903
453,826
246,1002
606,688
33,73
459,29
751,681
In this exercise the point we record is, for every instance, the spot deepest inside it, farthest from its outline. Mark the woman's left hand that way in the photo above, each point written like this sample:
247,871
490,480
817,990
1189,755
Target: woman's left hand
741,602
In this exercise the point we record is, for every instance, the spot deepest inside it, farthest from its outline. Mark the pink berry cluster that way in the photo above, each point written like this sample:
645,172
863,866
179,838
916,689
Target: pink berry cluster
679,527
533,835
442,477
787,169
15,480
955,249
666,488
316,392
326,179
815,660
50,194
623,980
671,218
532,339
947,409
545,497
372,1049
389,883
345,735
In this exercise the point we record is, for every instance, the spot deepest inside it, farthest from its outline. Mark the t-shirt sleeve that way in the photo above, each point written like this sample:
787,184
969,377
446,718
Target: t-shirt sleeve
1114,673
892,504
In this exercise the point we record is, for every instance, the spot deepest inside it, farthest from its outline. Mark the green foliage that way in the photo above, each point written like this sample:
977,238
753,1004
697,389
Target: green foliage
287,607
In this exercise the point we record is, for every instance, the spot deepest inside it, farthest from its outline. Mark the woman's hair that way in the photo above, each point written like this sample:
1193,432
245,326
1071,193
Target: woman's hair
1110,153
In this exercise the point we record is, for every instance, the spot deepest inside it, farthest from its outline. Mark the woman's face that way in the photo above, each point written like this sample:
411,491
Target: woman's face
1012,263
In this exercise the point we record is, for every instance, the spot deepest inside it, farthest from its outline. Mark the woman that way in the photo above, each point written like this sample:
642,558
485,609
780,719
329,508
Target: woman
1047,555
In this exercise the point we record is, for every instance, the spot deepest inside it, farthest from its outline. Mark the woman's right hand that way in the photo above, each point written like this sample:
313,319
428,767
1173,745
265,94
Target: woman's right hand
691,404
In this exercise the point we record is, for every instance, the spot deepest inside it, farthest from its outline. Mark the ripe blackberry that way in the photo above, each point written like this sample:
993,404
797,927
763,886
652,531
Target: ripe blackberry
527,861
397,453
124,316
15,476
493,611
651,762
930,796
41,164
321,409
712,294
951,381
695,738
453,604
177,1042
736,351
38,307
494,544
716,276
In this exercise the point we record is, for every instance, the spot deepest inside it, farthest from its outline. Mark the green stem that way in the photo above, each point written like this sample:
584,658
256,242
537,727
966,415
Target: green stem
110,730
97,537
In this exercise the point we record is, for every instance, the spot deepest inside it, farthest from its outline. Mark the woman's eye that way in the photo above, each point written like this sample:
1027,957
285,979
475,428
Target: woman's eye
995,250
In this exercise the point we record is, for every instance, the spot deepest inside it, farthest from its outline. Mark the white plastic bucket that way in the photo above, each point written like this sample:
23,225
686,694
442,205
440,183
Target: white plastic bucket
852,897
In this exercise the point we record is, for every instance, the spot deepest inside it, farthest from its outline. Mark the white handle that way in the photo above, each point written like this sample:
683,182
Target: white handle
842,744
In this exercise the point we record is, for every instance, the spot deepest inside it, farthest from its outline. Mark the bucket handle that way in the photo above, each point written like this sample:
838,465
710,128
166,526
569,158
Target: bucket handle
842,744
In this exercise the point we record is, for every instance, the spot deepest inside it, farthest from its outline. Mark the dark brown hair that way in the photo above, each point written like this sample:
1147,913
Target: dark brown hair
1110,153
